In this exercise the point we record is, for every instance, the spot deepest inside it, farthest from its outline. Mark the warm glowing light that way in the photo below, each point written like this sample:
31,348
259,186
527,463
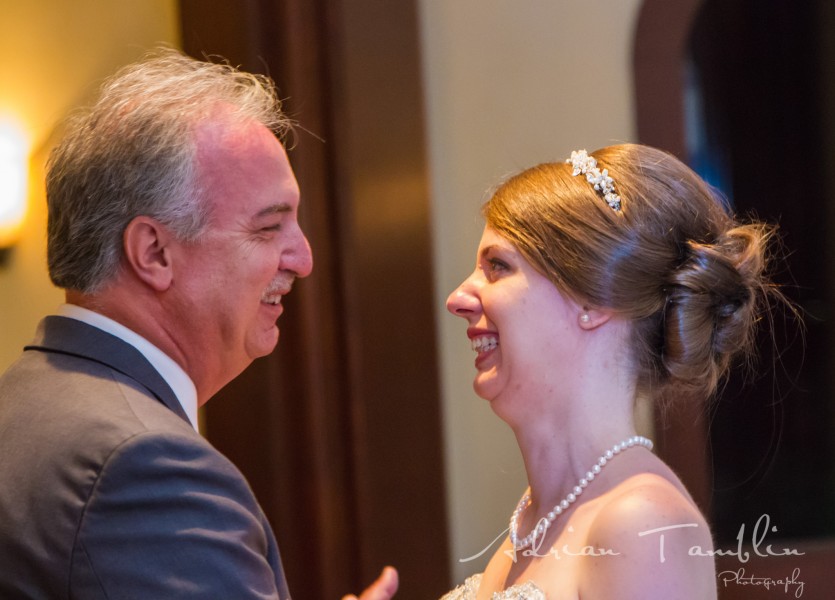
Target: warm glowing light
14,168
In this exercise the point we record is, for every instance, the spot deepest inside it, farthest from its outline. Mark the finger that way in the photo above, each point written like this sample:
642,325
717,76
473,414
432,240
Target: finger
384,587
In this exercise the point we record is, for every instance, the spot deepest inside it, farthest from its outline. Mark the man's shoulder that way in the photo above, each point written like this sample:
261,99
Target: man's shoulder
73,415
59,405
99,476
72,358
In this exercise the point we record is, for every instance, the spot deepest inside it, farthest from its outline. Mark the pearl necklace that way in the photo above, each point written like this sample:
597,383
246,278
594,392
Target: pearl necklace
544,523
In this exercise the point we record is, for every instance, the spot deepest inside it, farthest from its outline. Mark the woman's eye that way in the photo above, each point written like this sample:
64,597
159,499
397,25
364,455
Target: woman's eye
495,265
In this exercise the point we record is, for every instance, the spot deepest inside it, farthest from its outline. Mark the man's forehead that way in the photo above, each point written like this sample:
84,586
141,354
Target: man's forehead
226,133
248,147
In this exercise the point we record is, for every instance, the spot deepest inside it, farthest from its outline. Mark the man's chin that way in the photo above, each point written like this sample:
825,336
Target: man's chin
266,343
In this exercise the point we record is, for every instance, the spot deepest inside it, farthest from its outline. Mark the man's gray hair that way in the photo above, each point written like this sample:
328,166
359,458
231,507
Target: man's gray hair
133,153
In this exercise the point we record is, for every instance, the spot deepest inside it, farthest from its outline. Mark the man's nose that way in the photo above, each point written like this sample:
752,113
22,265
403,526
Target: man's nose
300,260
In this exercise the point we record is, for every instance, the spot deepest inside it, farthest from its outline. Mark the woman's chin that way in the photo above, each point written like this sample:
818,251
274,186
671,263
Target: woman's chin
485,386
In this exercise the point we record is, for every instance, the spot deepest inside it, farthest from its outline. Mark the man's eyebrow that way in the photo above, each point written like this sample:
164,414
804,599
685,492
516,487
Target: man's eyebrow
274,209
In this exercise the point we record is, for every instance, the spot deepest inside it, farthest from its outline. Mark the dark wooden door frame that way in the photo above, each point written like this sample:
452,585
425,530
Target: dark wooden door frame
661,38
659,54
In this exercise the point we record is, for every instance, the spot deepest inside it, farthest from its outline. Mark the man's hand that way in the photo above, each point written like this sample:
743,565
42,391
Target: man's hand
382,589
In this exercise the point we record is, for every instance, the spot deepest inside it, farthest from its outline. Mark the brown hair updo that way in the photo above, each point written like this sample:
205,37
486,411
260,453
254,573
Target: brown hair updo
673,260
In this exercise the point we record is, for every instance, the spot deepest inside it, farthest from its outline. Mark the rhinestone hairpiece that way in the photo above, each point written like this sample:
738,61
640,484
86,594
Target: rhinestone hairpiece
603,184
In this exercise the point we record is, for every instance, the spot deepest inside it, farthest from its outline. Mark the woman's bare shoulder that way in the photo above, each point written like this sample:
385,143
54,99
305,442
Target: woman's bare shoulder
648,500
658,539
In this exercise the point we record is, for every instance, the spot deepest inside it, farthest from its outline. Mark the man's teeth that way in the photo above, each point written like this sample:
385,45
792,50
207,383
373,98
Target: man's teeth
483,344
271,300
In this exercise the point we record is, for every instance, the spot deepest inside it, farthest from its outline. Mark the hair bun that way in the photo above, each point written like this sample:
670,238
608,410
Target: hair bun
711,306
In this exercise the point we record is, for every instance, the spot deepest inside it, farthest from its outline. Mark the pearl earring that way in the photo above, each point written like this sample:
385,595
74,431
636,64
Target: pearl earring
585,318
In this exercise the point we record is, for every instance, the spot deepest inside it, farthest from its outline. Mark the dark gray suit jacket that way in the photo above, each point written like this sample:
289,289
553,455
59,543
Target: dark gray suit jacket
106,491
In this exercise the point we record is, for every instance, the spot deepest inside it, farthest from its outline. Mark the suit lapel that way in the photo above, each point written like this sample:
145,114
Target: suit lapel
70,336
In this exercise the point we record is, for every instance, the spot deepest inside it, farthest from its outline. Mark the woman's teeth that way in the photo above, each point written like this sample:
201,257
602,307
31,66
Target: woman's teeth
484,343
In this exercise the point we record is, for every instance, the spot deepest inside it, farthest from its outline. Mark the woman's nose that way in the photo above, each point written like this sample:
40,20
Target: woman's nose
462,302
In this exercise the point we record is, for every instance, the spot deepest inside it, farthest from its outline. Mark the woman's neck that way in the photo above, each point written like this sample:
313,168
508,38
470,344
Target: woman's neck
558,450
562,427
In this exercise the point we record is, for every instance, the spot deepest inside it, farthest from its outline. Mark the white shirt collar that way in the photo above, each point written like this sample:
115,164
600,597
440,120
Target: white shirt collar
171,372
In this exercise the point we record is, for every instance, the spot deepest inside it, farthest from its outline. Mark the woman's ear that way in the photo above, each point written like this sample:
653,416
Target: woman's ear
147,253
591,318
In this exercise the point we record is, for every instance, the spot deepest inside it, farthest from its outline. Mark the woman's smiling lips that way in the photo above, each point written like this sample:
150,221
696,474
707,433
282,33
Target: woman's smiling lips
484,342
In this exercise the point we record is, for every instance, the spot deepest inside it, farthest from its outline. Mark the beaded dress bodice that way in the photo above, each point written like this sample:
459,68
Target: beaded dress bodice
522,591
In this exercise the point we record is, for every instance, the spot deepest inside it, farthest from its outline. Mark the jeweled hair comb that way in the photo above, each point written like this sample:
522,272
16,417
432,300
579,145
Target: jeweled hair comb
603,184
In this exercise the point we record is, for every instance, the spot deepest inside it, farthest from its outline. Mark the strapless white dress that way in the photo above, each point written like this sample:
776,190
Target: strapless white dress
521,591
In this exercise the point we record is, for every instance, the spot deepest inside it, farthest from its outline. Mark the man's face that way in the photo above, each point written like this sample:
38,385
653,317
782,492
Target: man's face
228,285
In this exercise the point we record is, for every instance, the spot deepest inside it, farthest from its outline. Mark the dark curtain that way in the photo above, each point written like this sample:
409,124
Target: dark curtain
339,430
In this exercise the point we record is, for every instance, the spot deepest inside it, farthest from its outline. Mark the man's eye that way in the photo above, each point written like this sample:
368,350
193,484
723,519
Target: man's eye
275,227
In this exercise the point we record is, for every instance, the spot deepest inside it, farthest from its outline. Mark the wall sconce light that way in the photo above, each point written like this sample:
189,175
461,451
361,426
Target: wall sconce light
14,169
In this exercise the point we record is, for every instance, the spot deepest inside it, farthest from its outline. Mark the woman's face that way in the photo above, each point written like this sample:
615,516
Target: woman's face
521,327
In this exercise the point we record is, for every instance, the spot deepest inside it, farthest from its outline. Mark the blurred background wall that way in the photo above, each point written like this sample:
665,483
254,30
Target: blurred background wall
508,85
53,55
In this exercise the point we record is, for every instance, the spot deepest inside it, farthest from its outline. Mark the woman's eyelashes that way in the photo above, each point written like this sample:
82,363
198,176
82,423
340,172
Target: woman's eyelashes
495,267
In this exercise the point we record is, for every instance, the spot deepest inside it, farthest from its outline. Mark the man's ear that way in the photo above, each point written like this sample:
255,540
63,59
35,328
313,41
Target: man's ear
147,252
592,318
